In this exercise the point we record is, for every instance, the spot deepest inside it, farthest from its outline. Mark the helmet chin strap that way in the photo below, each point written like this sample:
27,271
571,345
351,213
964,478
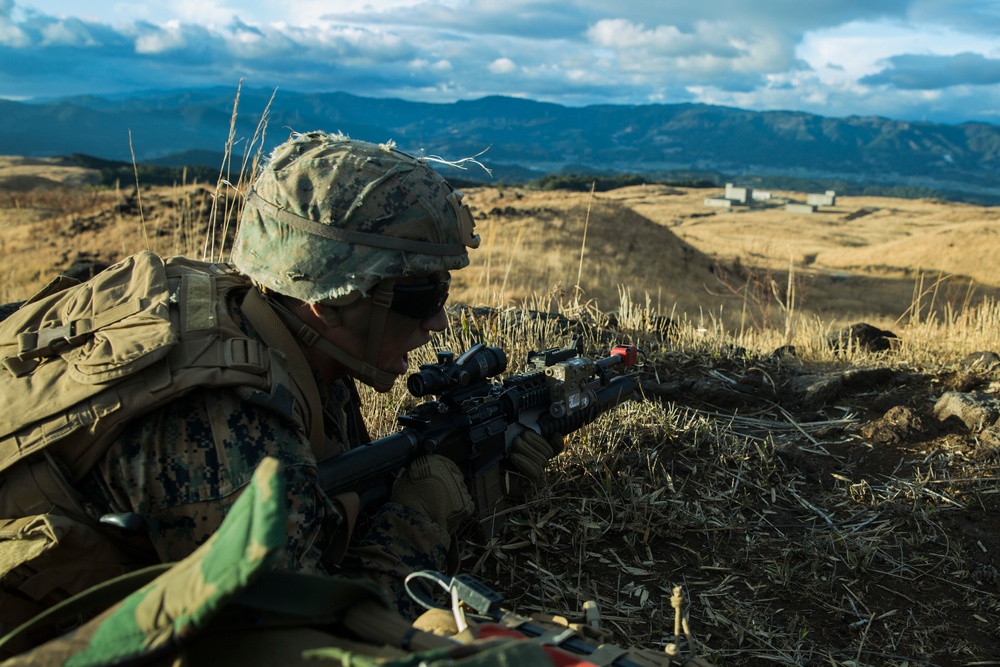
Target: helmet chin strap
381,300
366,369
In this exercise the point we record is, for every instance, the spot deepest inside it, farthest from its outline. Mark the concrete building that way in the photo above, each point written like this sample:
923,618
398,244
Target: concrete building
792,207
718,202
742,196
827,199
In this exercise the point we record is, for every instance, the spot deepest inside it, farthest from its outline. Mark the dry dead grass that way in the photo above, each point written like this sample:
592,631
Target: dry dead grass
799,537
756,268
753,480
22,174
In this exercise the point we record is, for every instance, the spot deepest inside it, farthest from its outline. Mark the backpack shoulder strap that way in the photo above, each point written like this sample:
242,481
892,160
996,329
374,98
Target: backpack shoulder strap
267,323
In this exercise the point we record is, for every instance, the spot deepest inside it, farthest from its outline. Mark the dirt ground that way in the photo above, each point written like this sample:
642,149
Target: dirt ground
837,515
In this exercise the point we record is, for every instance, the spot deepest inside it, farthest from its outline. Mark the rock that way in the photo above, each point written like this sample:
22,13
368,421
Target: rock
981,361
899,425
974,409
815,391
85,266
785,352
859,379
863,336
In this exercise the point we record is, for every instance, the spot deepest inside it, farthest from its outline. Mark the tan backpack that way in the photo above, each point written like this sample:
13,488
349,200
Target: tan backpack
79,361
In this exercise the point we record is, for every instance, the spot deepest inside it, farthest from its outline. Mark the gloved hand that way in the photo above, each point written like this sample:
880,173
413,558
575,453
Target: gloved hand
530,453
434,486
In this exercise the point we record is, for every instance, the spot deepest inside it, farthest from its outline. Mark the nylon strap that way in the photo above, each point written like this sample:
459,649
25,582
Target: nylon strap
313,338
267,323
381,301
85,604
349,504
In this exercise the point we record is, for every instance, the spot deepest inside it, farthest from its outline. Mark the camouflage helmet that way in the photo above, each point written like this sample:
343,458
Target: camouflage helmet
330,217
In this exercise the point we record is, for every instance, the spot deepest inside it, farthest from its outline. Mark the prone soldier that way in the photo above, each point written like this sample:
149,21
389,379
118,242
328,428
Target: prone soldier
135,408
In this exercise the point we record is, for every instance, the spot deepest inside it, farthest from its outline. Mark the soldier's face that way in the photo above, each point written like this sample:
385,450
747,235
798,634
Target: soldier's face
402,334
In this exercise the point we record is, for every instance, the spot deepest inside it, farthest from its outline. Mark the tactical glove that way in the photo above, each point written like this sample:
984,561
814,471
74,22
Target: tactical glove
530,453
434,486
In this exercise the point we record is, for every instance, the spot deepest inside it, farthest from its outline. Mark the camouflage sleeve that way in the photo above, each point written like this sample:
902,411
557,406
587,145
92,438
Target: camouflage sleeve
399,541
183,466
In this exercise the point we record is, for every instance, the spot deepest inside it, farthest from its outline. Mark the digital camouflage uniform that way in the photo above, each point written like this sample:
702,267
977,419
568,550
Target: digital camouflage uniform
329,221
183,467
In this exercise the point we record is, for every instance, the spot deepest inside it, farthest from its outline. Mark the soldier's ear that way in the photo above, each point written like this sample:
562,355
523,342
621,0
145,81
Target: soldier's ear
330,315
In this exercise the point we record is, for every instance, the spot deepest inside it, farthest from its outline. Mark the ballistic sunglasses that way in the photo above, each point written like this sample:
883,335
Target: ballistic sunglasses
421,300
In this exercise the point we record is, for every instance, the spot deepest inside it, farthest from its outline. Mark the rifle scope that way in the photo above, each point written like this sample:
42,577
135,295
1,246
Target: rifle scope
478,363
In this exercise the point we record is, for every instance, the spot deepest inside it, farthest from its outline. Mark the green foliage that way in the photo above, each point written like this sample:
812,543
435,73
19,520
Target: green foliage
583,183
123,173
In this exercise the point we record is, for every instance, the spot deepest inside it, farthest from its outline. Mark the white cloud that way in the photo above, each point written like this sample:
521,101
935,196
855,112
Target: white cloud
12,36
502,66
859,49
420,64
720,53
166,38
11,33
813,56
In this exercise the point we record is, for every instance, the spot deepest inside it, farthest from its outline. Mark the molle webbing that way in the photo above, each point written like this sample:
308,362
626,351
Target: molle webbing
76,392
270,327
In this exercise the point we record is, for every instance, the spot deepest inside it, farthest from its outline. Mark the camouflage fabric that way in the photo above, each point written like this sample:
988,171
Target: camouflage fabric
227,604
330,217
498,654
183,467
227,594
166,615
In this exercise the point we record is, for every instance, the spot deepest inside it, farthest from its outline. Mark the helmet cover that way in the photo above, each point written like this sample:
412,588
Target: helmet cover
330,217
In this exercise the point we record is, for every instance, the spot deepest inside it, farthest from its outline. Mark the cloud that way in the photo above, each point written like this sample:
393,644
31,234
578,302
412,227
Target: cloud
932,72
502,66
823,56
973,16
729,55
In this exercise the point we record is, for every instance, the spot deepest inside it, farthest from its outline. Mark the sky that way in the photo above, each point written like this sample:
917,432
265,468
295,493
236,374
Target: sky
917,60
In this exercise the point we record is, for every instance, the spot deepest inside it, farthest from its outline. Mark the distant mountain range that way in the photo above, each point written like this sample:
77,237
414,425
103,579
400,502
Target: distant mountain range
527,139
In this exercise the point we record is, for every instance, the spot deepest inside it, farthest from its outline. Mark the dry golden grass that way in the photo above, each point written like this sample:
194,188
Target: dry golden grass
885,236
755,269
19,173
770,486
798,539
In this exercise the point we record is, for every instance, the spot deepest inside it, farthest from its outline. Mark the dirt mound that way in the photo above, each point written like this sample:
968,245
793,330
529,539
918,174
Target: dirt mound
534,241
23,174
964,251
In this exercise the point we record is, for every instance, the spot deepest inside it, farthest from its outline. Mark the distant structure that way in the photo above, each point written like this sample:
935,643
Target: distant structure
739,196
793,207
829,198
734,197
761,195
718,202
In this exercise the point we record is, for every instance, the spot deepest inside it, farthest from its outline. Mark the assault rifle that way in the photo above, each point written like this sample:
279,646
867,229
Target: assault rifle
475,419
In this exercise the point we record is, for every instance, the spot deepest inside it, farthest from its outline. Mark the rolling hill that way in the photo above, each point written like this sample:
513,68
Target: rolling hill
661,141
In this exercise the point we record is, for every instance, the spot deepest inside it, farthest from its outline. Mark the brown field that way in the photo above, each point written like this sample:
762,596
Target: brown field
813,504
865,259
663,242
